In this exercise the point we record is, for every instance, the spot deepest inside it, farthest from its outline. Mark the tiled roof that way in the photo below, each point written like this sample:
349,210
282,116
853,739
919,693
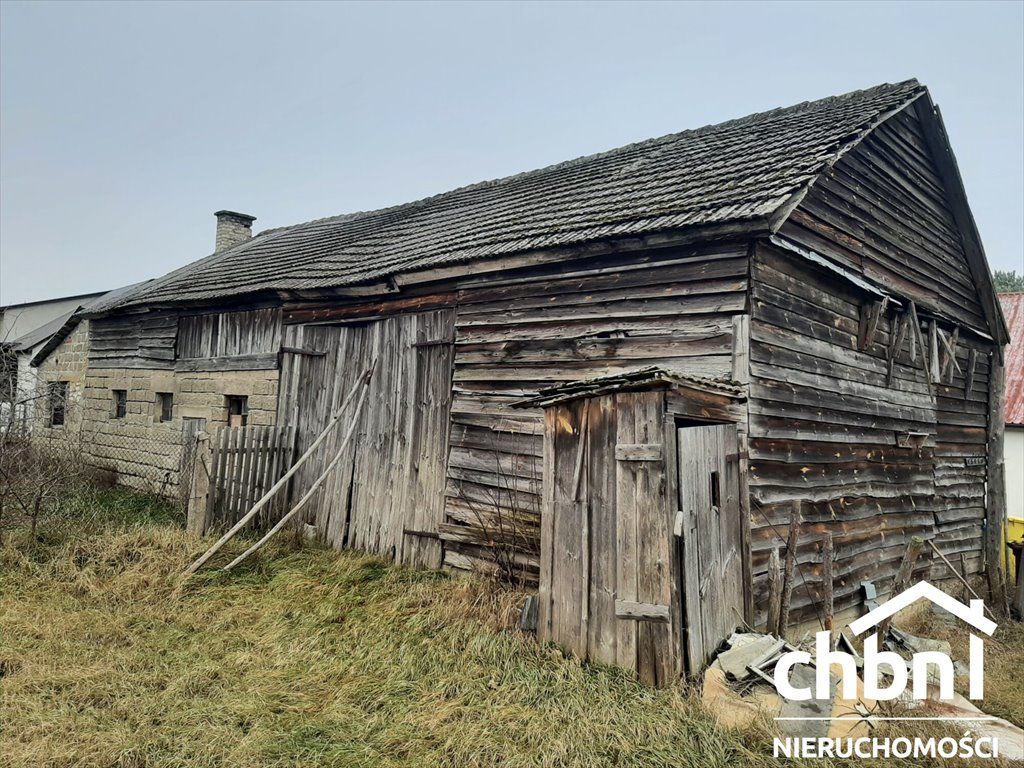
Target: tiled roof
1013,309
741,171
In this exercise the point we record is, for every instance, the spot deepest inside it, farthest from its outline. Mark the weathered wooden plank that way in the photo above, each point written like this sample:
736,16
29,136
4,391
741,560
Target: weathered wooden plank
628,609
600,500
233,363
626,539
638,452
567,577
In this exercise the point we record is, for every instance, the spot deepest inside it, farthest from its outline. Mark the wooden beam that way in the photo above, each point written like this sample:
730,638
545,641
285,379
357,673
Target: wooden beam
365,309
903,575
949,363
629,609
300,351
995,507
870,316
262,362
421,534
789,572
896,342
774,591
827,576
638,452
972,365
918,340
1018,601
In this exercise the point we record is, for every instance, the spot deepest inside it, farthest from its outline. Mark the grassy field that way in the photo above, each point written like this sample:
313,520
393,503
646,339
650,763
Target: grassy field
305,657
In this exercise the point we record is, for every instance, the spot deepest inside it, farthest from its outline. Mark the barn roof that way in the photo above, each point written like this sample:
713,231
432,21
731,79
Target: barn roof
1013,309
741,172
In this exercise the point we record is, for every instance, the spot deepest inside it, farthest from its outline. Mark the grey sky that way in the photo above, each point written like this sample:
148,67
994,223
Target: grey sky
124,126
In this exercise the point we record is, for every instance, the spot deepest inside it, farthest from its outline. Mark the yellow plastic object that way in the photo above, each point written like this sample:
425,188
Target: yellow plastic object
1014,532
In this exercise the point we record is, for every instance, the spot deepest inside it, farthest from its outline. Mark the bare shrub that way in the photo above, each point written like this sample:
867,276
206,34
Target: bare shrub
503,516
37,474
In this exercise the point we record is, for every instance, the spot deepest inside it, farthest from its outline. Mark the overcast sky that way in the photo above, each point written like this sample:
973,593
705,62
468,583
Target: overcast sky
125,126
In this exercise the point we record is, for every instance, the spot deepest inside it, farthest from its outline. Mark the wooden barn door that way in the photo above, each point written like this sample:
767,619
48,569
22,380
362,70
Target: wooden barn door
386,495
712,570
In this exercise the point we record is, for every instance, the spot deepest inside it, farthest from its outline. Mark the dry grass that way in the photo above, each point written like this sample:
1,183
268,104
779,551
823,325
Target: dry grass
305,657
1004,657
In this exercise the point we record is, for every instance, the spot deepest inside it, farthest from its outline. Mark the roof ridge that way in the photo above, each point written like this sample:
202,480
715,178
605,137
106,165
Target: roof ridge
582,159
739,170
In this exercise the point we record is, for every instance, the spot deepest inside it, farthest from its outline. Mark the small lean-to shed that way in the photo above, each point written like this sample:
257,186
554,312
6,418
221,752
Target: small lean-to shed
643,534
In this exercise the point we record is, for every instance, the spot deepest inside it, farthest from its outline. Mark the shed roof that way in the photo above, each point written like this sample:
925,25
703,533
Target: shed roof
41,333
739,172
650,377
1013,309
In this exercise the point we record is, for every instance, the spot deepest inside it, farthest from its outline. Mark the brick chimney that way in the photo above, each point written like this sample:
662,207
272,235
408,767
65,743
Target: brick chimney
232,229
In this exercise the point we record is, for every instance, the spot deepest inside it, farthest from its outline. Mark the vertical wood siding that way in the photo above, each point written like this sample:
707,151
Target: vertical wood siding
387,493
229,334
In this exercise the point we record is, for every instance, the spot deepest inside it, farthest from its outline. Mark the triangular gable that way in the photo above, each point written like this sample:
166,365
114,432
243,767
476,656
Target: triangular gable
893,210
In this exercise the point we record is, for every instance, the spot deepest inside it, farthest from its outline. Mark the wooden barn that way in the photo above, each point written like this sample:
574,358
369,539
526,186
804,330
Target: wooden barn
614,377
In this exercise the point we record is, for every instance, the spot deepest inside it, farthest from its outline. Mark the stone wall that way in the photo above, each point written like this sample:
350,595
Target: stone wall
138,446
66,363
140,449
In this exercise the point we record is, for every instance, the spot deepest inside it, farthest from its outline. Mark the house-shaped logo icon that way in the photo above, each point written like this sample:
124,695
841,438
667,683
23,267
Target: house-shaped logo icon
973,614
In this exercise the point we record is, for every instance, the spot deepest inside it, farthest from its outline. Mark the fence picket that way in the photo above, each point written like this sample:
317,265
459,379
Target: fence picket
245,463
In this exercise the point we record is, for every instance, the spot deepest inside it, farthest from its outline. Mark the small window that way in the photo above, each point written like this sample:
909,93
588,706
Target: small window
164,406
57,400
120,403
238,410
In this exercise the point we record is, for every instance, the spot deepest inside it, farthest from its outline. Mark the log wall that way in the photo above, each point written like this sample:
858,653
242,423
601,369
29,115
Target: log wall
520,332
882,211
828,423
142,340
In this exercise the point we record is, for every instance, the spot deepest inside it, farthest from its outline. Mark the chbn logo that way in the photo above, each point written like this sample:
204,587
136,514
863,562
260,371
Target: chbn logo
921,665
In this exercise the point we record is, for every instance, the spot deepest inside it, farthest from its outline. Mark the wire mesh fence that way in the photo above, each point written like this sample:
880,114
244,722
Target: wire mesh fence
54,447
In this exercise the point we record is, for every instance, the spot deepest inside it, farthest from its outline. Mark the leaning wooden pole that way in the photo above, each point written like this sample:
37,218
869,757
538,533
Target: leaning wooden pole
962,579
789,572
902,579
363,381
774,591
995,507
312,489
827,580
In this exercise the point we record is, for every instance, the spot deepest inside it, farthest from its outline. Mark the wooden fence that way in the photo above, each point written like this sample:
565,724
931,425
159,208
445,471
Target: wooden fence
240,465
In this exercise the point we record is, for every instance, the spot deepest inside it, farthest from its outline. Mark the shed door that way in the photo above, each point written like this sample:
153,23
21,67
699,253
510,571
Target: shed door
386,494
712,571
